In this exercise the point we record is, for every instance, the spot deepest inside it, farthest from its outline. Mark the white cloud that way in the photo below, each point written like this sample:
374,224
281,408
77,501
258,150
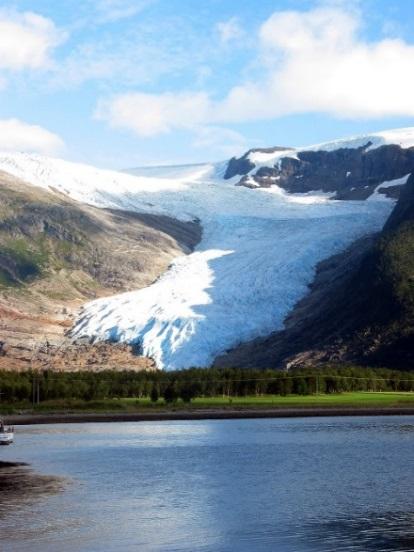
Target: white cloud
229,30
316,62
26,40
312,61
17,135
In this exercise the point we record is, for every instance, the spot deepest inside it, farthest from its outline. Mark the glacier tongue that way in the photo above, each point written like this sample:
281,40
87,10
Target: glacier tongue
242,281
256,258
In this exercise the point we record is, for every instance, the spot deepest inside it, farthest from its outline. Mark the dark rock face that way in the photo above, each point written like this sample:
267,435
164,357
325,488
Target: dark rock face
360,307
347,173
238,167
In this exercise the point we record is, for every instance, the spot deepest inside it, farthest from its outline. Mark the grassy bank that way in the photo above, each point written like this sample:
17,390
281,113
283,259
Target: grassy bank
351,400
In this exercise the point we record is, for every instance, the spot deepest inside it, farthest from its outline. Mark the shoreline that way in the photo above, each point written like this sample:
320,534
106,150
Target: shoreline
203,414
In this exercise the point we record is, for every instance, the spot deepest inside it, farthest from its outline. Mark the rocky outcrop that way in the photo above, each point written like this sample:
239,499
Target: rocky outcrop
346,173
242,165
360,307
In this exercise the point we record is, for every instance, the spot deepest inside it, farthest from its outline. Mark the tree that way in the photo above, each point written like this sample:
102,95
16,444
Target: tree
155,394
189,391
286,386
170,393
300,386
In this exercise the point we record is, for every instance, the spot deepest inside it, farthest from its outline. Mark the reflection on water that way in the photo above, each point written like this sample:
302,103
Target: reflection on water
301,485
20,488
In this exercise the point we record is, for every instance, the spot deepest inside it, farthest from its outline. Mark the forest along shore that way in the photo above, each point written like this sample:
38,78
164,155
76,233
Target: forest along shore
56,397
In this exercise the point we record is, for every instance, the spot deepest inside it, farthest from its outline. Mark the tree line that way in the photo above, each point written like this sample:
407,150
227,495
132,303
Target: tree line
196,382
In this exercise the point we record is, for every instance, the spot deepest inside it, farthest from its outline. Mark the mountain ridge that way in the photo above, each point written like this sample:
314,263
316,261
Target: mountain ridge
258,251
350,169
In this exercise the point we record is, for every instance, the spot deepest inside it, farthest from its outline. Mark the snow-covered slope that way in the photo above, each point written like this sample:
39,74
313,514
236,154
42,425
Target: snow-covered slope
256,258
403,137
173,171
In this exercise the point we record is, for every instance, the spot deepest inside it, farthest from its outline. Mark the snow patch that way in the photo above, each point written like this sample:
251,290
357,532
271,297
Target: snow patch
266,158
377,196
403,137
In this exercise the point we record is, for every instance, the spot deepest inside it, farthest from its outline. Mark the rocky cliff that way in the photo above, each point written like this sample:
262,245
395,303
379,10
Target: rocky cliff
351,173
242,165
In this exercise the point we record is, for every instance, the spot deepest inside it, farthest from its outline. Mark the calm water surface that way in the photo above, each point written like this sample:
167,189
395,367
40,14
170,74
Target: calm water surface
315,484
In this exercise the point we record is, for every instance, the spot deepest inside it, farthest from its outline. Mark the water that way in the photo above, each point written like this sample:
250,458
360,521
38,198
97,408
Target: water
311,485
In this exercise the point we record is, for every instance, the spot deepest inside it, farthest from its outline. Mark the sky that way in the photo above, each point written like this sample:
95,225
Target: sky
126,83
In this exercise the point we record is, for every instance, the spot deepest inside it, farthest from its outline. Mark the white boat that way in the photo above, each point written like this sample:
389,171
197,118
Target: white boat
6,434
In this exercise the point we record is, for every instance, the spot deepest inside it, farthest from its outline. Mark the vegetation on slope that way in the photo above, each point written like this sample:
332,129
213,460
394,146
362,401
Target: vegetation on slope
381,294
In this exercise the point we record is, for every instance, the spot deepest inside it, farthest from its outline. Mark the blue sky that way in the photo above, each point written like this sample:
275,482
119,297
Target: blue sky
122,83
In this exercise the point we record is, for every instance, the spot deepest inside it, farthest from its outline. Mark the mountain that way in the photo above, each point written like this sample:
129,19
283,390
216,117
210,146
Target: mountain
346,169
267,224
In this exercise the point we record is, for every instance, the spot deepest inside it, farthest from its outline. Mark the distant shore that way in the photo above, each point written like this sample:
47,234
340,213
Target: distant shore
203,414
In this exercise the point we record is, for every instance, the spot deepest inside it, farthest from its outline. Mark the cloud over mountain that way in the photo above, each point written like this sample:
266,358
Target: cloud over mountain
16,135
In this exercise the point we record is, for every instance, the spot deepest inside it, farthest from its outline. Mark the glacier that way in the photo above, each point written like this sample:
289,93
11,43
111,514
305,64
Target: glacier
256,258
